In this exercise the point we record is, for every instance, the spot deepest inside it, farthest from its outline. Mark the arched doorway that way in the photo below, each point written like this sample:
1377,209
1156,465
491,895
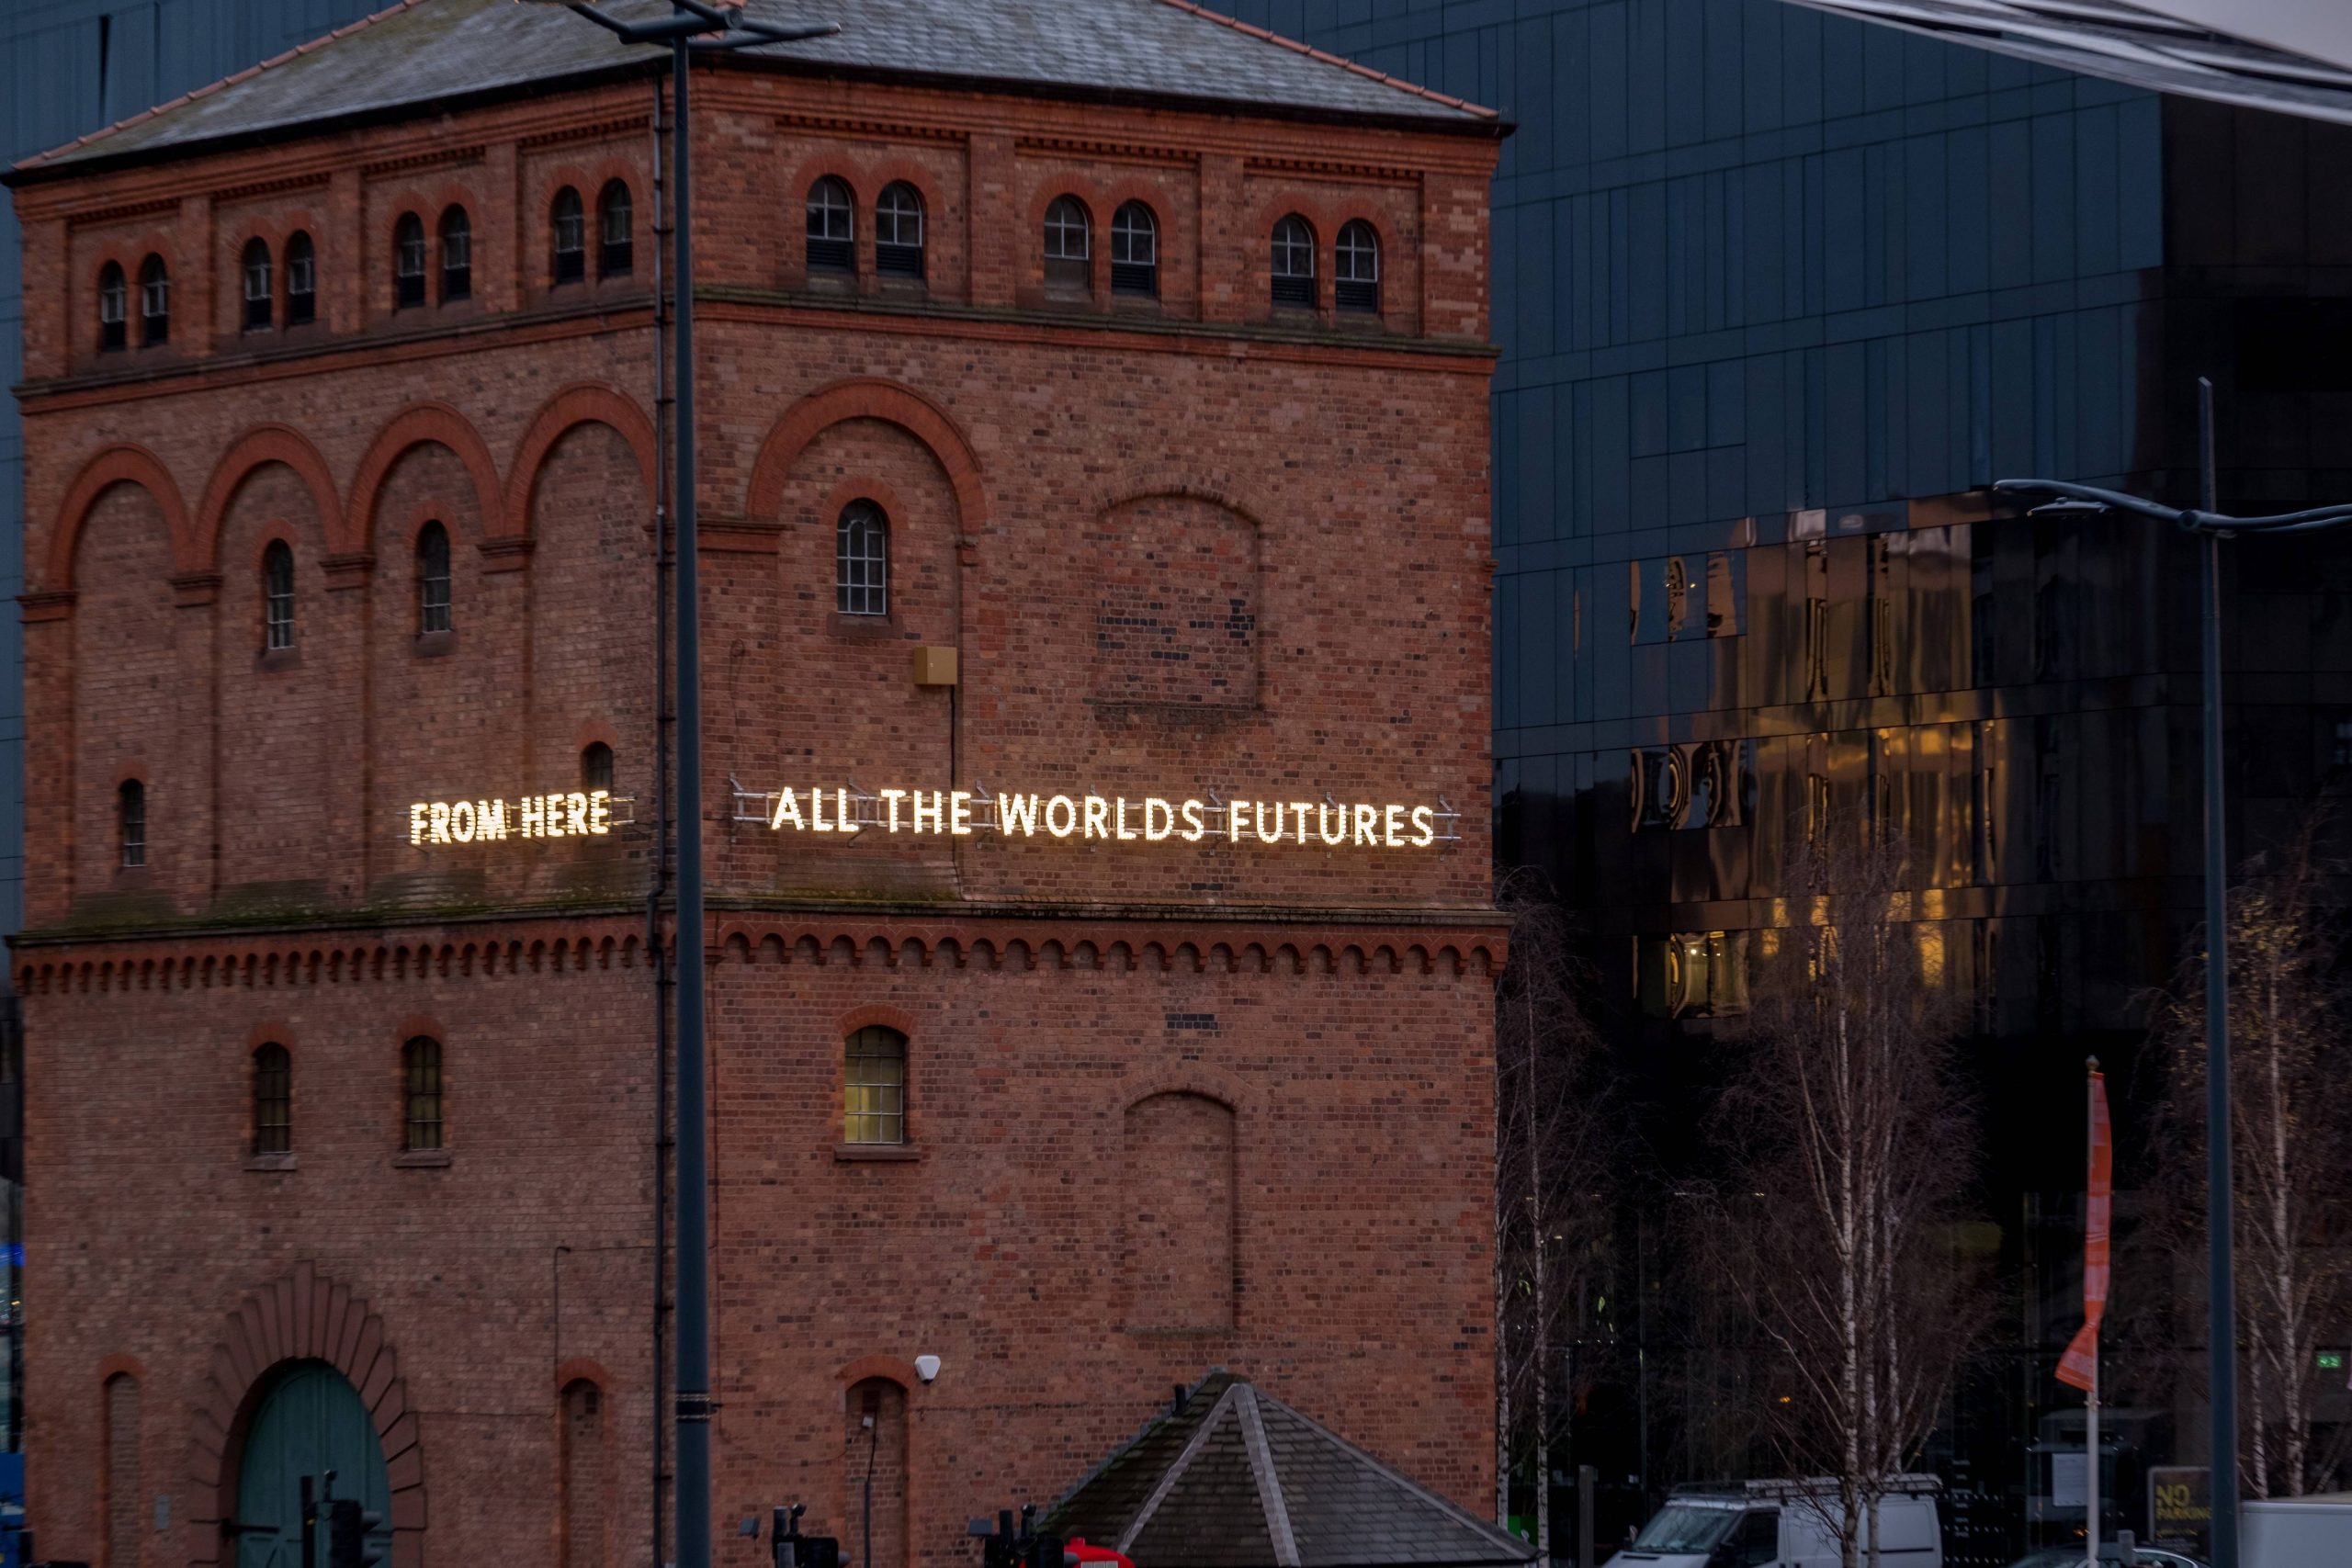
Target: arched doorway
310,1420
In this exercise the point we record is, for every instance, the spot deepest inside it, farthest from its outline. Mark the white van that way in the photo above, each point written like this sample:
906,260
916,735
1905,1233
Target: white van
1785,1524
2295,1532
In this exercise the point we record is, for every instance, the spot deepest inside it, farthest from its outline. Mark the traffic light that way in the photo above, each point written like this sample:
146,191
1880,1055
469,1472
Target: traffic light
351,1536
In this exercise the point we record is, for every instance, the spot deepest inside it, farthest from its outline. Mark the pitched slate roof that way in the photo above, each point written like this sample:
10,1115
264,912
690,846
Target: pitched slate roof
1237,1479
425,53
2125,43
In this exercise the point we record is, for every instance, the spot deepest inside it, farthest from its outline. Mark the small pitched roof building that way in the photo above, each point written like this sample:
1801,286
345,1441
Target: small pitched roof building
1237,1479
1136,360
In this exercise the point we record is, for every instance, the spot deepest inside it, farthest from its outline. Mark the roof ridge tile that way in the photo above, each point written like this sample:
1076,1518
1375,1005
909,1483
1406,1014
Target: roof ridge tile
1294,46
193,93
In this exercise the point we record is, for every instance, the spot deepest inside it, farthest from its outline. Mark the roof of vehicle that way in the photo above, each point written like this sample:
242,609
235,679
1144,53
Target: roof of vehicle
1745,1492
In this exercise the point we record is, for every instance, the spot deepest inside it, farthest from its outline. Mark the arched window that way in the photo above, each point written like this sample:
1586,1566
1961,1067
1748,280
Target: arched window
862,561
584,1484
1069,243
302,280
874,1086
1134,249
421,1076
273,1100
408,262
898,232
571,225
1355,268
131,822
432,579
597,767
126,1493
457,255
277,596
154,302
1294,262
615,230
255,268
114,307
832,234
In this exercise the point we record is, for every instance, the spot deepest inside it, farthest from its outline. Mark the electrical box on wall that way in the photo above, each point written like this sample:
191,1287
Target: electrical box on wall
935,666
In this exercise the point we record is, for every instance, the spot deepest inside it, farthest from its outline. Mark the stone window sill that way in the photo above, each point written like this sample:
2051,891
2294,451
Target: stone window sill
422,1159
272,1162
436,645
870,629
876,1154
275,658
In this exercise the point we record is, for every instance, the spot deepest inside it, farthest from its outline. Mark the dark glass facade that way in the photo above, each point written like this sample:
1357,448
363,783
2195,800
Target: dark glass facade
1778,295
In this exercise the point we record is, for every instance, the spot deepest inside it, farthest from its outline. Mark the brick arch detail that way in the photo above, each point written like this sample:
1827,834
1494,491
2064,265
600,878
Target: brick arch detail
891,1368
581,404
1196,1079
301,1316
123,464
868,398
888,1017
1193,484
257,448
419,424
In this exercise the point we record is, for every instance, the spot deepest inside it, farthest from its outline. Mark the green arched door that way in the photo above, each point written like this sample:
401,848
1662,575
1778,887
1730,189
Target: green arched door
309,1422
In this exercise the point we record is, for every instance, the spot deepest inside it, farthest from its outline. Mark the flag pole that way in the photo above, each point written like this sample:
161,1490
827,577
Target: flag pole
2090,1410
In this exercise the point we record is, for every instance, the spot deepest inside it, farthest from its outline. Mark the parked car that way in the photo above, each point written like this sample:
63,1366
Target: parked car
1782,1524
2071,1557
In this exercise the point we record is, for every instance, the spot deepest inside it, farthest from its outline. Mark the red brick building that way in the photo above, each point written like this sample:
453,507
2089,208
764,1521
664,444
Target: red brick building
1093,452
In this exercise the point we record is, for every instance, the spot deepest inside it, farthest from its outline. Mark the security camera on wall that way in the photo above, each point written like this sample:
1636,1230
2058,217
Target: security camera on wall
927,1367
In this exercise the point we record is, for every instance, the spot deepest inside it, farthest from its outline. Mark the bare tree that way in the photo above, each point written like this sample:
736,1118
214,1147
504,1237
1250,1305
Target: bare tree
1557,1153
1853,1147
2290,1000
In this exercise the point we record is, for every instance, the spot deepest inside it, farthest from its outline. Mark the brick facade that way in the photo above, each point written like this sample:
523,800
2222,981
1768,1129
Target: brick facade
1168,1106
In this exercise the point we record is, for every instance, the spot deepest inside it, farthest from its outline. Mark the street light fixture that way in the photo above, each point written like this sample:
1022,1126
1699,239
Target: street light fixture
2211,526
691,26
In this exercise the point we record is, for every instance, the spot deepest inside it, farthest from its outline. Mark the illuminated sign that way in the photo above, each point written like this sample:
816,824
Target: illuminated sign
1110,819
573,813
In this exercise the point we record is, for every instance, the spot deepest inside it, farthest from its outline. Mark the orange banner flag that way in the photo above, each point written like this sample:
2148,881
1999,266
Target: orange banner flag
2079,1365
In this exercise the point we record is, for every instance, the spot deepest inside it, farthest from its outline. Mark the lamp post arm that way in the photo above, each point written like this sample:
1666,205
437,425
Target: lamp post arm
2114,500
748,32
665,29
2282,523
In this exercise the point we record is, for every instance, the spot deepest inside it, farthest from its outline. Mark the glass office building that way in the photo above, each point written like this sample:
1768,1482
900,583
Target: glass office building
1779,294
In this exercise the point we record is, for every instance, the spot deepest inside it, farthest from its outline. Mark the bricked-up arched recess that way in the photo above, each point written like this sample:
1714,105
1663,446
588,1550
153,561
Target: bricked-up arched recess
1176,1158
116,465
882,1446
416,425
584,403
1178,596
303,1316
261,446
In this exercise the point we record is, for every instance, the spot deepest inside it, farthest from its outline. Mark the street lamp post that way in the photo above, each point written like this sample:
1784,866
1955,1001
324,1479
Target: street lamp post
691,26
2211,528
